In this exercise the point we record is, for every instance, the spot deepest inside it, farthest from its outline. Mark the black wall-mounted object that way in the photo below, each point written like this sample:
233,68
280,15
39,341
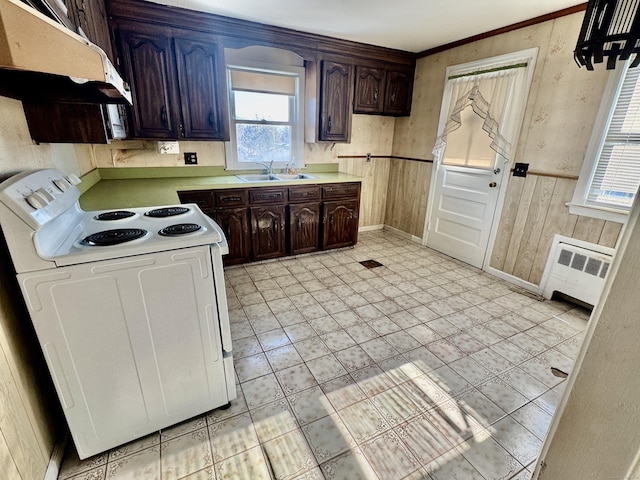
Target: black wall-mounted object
520,169
611,28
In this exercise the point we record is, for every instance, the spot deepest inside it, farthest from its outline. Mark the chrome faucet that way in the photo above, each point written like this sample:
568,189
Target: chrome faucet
268,166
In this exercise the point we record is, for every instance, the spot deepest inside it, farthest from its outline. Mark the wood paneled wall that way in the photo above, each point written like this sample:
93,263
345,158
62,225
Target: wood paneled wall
375,174
408,191
534,211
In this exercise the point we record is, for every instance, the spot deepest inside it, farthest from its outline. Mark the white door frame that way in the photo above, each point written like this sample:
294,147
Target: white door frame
527,56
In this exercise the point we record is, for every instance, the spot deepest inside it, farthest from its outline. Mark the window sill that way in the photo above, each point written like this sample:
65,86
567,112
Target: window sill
607,214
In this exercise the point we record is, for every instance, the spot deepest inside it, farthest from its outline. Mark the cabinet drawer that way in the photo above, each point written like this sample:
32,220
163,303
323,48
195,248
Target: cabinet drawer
304,193
231,198
339,190
203,198
266,195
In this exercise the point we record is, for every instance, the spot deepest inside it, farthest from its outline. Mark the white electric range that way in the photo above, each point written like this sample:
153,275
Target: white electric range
129,307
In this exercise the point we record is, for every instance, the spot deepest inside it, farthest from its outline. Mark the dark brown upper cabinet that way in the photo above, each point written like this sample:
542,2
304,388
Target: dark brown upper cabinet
177,85
148,66
336,97
369,92
201,83
399,91
91,20
383,90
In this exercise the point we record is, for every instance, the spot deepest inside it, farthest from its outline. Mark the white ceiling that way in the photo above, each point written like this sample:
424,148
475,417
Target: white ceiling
411,25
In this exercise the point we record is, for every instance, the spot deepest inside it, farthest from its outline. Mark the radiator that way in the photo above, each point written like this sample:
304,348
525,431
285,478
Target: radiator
576,268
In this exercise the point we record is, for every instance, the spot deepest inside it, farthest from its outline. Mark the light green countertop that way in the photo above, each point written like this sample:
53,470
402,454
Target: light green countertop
114,188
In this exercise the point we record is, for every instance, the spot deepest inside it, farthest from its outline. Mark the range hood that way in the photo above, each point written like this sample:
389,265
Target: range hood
42,60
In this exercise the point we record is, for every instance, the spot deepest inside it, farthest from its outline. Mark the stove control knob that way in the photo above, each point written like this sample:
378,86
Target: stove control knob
73,179
48,196
37,201
62,184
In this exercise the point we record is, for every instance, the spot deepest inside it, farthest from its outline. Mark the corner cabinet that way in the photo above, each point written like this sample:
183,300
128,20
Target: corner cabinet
176,83
383,90
269,222
336,98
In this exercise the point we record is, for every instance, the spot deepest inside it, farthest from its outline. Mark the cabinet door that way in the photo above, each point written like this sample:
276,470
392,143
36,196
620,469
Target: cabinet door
336,94
91,18
267,232
398,95
304,228
235,225
340,223
369,90
201,87
148,67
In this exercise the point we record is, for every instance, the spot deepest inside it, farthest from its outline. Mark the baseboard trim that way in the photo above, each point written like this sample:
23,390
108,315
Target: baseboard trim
370,228
530,287
403,234
55,461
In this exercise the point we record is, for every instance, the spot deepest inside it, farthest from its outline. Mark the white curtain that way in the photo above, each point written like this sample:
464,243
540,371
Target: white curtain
489,95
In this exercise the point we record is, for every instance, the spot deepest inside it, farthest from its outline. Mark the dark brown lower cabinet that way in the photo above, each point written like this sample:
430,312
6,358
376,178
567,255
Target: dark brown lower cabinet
269,222
268,232
304,228
340,223
235,225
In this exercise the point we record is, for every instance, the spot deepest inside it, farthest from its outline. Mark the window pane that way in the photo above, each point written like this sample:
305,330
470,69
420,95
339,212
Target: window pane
263,143
261,106
469,145
617,176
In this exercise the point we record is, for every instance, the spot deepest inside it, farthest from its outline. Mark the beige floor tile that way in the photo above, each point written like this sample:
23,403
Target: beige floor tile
186,454
143,465
289,455
535,419
351,465
283,357
328,437
453,467
295,379
310,405
423,438
489,458
363,420
373,380
238,405
255,366
262,390
250,464
326,368
273,419
503,395
343,392
73,466
389,457
517,440
232,436
395,405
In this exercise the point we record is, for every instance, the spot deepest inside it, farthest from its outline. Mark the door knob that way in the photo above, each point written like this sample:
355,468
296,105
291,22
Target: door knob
493,185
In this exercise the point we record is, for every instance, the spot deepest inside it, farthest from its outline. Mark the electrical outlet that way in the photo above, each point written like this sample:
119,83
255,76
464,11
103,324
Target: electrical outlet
520,169
190,158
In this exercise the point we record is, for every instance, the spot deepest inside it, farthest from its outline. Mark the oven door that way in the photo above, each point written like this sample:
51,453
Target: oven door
133,344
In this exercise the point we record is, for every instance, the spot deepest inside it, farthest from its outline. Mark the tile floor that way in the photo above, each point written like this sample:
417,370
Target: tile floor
423,368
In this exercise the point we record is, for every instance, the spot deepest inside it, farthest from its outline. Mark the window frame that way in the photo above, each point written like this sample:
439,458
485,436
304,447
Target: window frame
296,109
578,204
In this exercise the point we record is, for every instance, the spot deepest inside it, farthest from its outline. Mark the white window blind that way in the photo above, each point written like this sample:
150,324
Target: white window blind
617,174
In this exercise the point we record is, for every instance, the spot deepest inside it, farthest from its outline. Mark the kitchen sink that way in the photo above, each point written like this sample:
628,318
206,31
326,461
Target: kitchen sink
298,176
258,178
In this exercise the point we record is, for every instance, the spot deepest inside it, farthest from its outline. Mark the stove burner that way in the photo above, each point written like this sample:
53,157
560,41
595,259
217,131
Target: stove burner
115,215
179,229
113,237
166,212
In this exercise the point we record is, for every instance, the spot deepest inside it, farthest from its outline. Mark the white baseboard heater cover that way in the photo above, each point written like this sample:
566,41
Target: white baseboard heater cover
577,269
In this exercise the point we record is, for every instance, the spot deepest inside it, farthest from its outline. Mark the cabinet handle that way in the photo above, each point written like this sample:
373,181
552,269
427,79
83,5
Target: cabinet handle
375,95
299,224
329,124
163,115
331,222
393,97
230,199
211,118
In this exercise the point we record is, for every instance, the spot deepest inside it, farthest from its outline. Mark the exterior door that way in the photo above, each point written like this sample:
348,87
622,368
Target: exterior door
463,212
469,180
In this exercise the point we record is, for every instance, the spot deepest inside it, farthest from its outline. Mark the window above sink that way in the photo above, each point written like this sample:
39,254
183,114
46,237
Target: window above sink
266,109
